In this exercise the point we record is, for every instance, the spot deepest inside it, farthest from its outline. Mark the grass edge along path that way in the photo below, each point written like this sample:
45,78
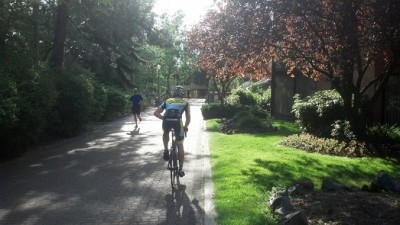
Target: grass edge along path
245,168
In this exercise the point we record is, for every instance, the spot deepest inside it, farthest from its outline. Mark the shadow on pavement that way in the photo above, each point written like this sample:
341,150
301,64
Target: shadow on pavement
109,175
180,210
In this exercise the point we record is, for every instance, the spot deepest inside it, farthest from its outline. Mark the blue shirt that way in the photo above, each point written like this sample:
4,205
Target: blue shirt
135,99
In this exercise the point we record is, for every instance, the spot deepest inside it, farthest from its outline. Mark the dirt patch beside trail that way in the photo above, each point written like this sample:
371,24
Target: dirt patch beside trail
345,208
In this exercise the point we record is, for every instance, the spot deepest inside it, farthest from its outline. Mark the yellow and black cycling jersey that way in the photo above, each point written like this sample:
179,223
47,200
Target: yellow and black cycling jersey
174,108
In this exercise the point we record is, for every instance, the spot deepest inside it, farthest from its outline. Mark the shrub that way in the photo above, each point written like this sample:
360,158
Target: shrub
216,110
245,121
8,101
317,112
259,112
341,131
326,146
117,104
75,102
246,118
27,98
263,99
383,134
100,101
241,96
385,139
255,97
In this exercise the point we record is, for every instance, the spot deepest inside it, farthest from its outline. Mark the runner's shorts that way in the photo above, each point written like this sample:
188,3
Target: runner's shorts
136,109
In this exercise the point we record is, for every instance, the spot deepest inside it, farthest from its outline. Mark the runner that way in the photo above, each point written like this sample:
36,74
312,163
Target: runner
136,100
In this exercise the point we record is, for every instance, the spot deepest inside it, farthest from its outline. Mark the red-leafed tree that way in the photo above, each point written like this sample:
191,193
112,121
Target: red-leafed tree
220,47
340,41
353,44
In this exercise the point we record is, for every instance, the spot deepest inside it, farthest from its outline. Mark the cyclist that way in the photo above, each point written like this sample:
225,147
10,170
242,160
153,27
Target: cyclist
174,108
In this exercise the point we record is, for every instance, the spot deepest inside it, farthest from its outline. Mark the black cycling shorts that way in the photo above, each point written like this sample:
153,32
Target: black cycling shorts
177,125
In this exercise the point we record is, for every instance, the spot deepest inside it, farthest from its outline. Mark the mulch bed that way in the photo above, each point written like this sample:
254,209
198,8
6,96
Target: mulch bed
349,208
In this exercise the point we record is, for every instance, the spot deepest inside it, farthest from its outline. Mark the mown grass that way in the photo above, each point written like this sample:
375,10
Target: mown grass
245,168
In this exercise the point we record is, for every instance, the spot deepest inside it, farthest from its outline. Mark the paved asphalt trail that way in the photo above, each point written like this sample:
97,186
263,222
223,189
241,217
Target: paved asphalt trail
109,176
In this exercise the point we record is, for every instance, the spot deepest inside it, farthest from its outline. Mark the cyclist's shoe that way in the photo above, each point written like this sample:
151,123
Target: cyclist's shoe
181,173
166,155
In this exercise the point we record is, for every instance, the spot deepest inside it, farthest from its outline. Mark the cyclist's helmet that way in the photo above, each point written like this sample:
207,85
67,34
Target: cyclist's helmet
179,91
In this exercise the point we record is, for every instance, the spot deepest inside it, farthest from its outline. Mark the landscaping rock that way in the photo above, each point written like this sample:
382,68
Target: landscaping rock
302,188
330,202
330,186
281,205
296,218
384,182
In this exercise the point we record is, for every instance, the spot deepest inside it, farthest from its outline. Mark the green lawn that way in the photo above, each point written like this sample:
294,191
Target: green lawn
245,168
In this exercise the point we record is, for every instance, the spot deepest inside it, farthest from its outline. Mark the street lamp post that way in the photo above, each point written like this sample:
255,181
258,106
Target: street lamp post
158,82
177,77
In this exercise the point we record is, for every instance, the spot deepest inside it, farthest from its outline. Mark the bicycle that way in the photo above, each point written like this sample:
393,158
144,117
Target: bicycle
173,162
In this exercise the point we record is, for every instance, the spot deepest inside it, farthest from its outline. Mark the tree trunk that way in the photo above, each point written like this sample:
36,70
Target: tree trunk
60,31
4,28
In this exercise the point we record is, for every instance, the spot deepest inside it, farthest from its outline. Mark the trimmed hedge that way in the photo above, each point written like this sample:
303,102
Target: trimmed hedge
216,110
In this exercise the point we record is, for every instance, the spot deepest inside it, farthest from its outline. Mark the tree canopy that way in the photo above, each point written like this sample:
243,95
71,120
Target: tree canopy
66,63
342,41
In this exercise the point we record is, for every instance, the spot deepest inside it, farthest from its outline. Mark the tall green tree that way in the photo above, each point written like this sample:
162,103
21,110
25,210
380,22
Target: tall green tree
175,63
107,38
60,32
110,37
15,31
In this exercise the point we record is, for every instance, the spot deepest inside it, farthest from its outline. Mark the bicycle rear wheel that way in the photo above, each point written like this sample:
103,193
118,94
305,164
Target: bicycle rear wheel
174,167
171,172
